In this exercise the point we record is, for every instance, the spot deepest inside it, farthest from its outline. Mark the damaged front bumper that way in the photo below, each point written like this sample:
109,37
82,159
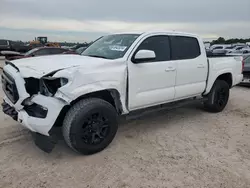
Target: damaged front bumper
39,114
31,118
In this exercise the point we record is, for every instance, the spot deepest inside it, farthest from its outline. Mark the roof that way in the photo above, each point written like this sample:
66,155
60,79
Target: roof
159,31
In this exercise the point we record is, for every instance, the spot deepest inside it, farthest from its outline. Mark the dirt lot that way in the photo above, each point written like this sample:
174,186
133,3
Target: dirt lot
185,147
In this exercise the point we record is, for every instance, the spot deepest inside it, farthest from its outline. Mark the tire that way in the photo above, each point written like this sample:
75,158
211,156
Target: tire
90,126
218,97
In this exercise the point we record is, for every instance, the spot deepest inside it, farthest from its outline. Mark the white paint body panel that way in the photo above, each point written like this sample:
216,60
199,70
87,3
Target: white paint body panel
148,84
219,66
191,75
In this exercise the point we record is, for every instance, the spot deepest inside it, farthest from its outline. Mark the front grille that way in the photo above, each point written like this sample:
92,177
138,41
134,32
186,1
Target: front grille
9,87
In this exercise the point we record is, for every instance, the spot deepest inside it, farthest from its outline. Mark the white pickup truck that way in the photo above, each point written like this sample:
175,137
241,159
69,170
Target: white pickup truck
117,74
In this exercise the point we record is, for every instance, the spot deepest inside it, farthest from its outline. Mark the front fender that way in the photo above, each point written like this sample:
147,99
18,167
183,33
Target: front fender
75,93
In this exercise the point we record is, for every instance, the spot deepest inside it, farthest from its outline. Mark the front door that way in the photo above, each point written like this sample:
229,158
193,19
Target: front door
152,82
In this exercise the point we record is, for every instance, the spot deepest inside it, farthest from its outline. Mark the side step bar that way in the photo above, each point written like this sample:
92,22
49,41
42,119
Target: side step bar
168,106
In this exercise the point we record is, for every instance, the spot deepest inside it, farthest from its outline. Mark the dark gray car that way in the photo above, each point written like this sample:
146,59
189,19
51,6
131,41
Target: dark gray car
4,45
17,46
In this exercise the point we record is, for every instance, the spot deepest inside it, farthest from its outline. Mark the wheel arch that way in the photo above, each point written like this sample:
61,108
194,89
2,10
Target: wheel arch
110,95
226,76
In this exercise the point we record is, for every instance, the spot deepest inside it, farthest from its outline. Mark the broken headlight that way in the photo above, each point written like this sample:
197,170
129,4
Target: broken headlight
50,85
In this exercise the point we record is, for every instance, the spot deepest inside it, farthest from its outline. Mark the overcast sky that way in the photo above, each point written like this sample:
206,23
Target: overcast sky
80,20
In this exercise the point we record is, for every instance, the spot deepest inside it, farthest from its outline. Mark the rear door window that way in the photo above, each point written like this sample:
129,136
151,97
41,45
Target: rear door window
184,47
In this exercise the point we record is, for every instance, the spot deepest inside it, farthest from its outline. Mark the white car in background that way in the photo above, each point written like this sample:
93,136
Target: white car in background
243,54
245,50
219,46
219,49
229,49
238,49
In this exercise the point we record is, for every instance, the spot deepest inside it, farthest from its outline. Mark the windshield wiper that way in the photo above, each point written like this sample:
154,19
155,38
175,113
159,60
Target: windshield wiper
98,56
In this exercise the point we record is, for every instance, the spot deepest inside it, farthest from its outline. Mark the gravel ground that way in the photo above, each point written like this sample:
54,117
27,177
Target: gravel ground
185,147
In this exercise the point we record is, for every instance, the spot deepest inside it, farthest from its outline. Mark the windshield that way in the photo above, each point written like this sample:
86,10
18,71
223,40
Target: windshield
111,46
30,52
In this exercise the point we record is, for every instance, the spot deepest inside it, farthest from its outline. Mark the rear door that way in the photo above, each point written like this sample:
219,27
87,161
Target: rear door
152,82
191,65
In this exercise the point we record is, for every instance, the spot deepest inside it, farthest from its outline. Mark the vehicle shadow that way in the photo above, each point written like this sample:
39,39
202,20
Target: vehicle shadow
149,121
244,85
132,128
159,118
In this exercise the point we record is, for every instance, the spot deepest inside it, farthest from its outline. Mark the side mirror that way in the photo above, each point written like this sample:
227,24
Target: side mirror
144,55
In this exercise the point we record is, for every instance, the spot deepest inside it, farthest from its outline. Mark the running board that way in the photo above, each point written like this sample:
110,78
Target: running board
168,106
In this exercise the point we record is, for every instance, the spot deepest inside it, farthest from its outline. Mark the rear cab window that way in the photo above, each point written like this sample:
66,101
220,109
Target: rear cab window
183,47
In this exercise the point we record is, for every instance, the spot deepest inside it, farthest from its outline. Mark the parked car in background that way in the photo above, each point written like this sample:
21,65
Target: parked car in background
17,46
9,53
79,46
238,49
80,50
35,52
207,45
240,53
219,49
245,50
226,50
77,51
5,45
246,70
219,46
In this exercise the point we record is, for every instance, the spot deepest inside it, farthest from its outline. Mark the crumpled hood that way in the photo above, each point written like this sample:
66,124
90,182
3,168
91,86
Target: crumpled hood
40,66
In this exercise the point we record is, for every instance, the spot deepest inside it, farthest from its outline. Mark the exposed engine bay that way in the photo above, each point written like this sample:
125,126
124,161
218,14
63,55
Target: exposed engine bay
46,85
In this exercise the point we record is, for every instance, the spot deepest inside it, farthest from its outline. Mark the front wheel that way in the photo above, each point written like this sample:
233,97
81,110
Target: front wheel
90,125
218,97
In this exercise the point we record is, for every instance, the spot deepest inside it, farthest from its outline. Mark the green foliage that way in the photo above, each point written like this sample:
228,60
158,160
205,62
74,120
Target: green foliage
221,40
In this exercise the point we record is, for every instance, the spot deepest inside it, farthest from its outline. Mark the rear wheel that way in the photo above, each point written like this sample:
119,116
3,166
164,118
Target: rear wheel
90,126
218,97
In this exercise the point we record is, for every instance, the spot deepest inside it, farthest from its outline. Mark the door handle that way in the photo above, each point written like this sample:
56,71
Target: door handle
169,69
200,66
